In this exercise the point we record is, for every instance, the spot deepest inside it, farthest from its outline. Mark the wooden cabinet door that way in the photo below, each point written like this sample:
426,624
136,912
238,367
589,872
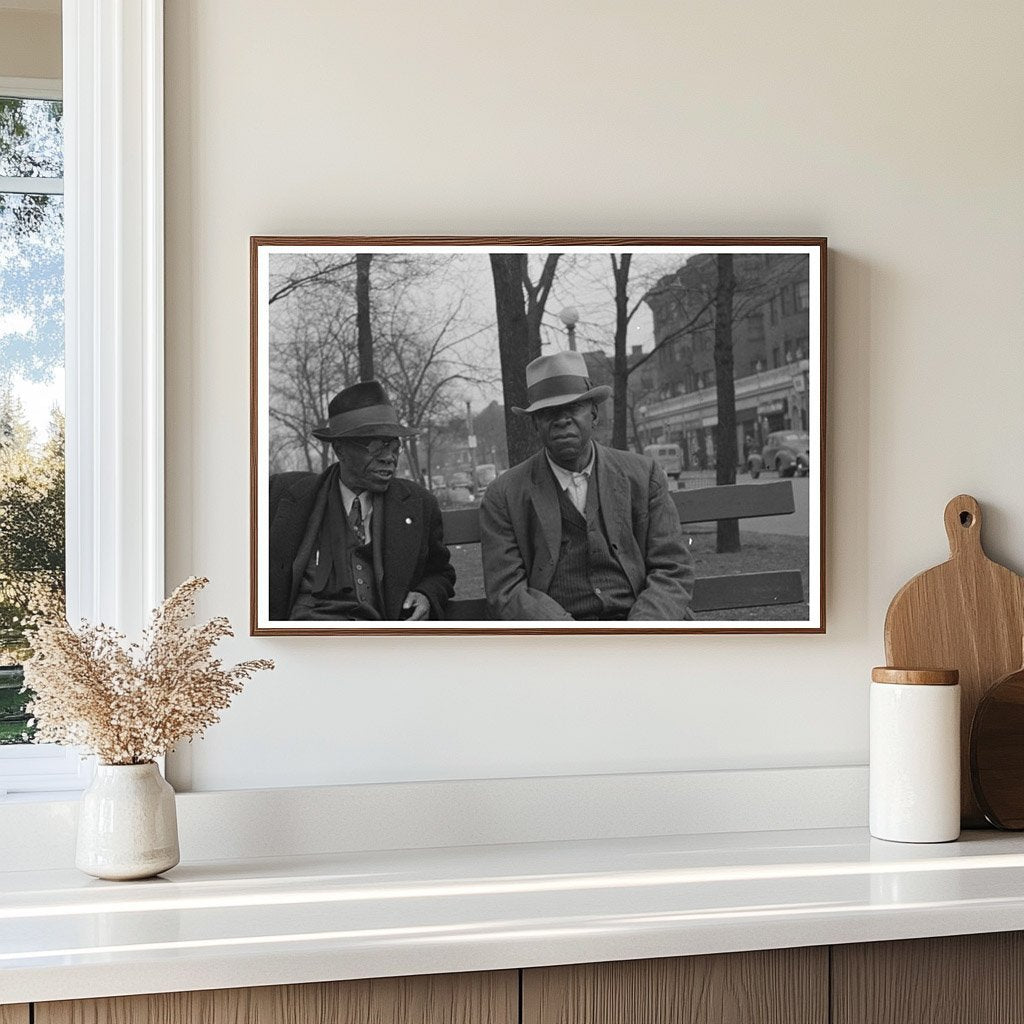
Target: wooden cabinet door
960,979
481,998
14,1014
778,986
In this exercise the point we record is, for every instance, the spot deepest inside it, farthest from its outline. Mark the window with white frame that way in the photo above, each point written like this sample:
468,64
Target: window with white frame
113,111
32,513
31,373
113,331
31,381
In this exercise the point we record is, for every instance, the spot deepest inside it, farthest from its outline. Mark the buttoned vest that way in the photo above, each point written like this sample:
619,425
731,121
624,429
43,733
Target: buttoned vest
588,581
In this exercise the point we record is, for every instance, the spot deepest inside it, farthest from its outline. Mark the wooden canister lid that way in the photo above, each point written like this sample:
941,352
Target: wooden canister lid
916,676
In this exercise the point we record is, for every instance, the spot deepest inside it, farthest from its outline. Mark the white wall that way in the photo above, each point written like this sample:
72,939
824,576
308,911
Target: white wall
894,129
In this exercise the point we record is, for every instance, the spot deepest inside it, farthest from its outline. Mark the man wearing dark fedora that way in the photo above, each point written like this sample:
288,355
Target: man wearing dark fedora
355,542
581,531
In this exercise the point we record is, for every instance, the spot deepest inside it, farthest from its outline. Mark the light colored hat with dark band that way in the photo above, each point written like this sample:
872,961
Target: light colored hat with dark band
559,379
362,410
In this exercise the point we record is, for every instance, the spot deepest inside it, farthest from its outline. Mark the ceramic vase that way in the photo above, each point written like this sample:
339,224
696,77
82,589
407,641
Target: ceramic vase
127,825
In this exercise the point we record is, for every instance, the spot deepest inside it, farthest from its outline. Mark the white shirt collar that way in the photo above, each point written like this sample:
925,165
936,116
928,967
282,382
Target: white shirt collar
348,496
565,477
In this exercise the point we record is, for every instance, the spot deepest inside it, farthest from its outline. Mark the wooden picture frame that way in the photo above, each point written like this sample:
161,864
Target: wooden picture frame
449,324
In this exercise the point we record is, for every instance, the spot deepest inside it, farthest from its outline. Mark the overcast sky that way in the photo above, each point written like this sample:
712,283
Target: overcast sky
583,281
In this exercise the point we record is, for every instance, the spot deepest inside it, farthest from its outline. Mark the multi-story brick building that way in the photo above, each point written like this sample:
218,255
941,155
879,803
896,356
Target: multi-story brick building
770,339
599,369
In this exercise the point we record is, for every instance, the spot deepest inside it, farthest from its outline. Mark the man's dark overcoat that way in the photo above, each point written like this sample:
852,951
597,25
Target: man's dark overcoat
409,552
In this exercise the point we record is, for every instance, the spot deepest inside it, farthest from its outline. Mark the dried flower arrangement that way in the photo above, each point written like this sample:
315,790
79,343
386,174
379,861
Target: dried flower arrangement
129,704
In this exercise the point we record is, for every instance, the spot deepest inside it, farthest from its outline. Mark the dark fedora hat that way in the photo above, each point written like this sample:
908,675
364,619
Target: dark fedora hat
362,410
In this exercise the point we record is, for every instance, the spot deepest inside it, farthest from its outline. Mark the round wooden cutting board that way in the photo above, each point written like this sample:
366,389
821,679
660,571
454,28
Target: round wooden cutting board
967,614
997,752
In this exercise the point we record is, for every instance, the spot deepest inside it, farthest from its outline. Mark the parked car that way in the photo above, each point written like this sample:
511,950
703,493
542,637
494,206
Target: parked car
668,457
484,474
785,451
459,496
460,490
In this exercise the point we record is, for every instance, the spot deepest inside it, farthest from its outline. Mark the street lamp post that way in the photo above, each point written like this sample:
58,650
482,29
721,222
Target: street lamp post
570,318
470,438
430,455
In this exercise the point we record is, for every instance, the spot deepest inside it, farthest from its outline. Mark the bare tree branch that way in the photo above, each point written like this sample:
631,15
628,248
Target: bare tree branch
672,335
317,277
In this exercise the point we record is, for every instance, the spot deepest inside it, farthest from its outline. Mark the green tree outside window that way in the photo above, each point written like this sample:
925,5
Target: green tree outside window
32,542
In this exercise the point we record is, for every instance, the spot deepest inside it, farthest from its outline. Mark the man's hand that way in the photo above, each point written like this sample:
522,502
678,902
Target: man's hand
417,605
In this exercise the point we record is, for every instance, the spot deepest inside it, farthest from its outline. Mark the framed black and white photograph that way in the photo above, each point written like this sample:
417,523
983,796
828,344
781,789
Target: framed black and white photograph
550,435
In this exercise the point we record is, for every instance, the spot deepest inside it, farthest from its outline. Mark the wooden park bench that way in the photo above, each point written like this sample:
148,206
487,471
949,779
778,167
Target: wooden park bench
703,505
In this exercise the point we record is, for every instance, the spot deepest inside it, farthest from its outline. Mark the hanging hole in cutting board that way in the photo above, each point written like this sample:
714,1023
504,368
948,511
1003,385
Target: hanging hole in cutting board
966,519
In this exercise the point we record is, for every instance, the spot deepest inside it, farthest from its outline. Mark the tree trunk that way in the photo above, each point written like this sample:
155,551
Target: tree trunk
634,426
725,437
363,333
620,367
515,351
536,298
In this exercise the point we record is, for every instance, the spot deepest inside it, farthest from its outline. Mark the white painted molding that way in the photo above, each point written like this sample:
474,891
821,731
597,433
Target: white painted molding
42,768
244,824
31,88
32,186
113,109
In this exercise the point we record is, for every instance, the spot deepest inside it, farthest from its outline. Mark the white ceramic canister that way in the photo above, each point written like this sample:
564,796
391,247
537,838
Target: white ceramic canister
915,755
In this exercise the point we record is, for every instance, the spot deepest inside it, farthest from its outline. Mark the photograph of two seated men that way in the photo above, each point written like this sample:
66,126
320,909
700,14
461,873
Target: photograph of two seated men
526,437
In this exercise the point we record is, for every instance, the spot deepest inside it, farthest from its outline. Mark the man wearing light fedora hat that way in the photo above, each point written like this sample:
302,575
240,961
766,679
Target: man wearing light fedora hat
355,542
581,531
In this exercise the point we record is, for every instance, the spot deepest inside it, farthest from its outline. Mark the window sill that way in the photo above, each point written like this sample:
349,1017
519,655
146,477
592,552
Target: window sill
40,798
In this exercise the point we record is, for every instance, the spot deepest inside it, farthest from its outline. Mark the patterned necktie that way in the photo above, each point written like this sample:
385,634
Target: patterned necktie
355,519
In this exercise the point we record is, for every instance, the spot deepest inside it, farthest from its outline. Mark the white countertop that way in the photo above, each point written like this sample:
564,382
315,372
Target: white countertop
356,915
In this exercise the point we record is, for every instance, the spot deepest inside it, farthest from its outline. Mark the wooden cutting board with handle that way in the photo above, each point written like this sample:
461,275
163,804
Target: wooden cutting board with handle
967,614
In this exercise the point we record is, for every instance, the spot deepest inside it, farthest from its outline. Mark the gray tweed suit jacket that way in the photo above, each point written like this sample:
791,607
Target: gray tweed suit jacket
521,528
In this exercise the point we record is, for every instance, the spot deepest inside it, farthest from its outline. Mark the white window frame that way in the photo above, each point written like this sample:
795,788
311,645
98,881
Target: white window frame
114,348
31,89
